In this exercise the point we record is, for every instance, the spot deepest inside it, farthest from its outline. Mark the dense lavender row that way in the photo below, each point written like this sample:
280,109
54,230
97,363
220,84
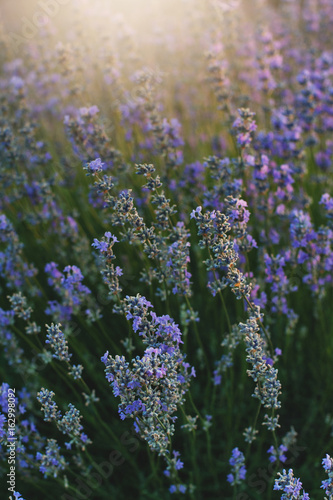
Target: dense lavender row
166,250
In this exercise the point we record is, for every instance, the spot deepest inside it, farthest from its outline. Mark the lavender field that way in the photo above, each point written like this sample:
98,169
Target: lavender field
166,249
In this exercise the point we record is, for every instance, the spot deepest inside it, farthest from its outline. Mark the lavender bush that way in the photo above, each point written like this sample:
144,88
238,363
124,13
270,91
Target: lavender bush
166,249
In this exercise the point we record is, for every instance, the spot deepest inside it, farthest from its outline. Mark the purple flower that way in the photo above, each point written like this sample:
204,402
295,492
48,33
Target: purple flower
327,484
290,485
277,454
94,167
237,462
18,496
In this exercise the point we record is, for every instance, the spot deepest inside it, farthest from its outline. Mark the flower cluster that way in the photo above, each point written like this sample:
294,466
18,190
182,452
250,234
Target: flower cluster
150,387
229,343
213,228
89,138
277,455
290,485
69,286
174,465
268,386
110,273
237,462
58,343
327,485
69,423
51,461
244,127
13,268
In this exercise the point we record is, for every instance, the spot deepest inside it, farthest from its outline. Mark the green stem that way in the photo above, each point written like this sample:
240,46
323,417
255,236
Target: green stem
253,430
225,309
197,335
